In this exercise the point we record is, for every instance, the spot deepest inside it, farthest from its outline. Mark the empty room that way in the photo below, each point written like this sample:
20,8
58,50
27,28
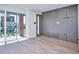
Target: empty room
39,28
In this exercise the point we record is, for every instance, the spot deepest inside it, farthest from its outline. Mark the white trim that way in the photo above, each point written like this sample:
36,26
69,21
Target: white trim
5,27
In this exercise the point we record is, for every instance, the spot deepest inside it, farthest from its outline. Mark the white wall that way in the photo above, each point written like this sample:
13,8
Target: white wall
78,20
38,25
27,24
30,26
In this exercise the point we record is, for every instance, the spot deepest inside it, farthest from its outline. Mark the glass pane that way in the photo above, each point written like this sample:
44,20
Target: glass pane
11,26
2,13
21,27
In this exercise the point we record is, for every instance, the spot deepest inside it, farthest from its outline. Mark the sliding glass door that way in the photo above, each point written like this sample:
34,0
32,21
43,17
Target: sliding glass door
2,36
21,27
11,26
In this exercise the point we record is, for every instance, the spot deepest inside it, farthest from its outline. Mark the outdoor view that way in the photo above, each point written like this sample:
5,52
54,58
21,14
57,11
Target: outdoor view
13,29
2,27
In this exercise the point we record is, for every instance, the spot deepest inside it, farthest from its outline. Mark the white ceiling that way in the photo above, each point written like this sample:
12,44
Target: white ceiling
37,7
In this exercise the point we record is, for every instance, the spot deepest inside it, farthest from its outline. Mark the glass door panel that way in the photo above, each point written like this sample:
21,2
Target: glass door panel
21,27
11,26
2,36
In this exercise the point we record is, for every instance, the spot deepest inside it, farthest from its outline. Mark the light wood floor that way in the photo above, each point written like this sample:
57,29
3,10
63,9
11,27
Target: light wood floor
40,45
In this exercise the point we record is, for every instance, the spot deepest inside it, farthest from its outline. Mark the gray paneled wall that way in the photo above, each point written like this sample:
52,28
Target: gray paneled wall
61,23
